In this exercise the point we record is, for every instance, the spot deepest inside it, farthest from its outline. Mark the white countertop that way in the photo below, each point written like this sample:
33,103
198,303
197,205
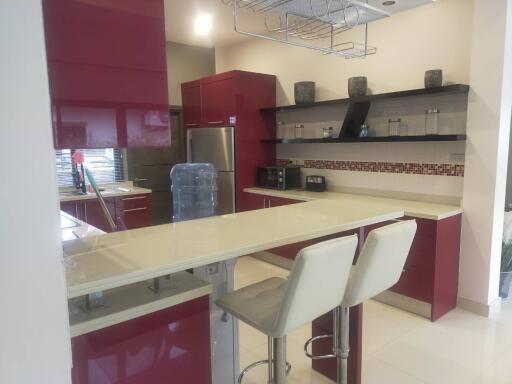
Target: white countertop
73,228
108,192
419,209
117,259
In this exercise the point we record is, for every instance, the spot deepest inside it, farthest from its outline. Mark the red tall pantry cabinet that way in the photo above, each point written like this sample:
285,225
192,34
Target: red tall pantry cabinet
235,98
107,72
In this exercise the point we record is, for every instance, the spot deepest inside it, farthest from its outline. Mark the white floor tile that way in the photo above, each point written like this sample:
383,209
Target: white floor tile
378,372
398,347
499,372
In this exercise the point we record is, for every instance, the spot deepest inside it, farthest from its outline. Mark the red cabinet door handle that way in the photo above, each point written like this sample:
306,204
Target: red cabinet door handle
134,209
134,198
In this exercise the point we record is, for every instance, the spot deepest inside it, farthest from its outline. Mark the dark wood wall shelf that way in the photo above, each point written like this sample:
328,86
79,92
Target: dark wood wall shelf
381,139
444,90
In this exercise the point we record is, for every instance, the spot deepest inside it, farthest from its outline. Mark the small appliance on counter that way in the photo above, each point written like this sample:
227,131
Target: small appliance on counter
316,183
276,177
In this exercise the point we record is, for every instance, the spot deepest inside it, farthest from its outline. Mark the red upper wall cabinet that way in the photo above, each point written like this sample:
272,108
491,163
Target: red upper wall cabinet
218,99
107,72
191,97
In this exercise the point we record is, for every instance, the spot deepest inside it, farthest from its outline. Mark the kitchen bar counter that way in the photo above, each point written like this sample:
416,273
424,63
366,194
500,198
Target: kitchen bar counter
117,259
412,208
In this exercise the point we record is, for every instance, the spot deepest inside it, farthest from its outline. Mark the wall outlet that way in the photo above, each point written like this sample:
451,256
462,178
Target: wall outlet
299,162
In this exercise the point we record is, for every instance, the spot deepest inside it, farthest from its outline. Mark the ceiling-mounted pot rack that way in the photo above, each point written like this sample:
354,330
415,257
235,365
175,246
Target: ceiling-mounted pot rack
313,24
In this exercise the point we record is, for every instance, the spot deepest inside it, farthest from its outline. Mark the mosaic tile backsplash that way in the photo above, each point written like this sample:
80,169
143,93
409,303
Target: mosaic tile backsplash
383,167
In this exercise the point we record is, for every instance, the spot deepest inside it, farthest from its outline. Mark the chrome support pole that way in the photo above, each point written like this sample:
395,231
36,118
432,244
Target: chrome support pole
336,349
270,360
345,343
279,366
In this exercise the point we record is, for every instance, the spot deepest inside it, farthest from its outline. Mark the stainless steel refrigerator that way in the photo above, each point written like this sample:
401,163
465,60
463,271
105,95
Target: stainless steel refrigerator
216,146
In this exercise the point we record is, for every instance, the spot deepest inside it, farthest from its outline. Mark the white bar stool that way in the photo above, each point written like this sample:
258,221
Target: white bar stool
276,306
377,269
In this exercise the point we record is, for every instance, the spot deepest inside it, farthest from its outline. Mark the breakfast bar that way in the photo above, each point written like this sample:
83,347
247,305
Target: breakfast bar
121,260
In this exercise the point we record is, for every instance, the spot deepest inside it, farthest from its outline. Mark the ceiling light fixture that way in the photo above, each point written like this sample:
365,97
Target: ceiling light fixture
203,24
388,3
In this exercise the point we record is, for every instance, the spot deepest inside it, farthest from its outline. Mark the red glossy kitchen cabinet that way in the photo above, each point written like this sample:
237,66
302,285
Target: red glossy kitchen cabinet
171,346
93,214
191,97
133,211
218,99
128,212
107,73
431,272
73,208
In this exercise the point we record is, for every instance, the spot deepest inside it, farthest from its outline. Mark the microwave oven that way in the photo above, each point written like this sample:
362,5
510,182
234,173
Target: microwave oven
279,177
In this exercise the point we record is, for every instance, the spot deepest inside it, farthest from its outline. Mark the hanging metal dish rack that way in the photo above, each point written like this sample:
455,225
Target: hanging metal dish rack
313,24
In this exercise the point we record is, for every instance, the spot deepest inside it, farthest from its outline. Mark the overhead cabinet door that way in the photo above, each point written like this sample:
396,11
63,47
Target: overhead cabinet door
108,73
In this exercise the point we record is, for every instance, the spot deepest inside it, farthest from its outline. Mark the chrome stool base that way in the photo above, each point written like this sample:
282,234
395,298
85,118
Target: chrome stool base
340,347
278,367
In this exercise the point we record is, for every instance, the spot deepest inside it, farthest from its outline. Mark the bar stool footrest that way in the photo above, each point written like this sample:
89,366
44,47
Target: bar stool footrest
318,357
257,364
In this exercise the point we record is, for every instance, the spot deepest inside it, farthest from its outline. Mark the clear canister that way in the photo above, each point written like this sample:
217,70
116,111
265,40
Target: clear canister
394,125
432,122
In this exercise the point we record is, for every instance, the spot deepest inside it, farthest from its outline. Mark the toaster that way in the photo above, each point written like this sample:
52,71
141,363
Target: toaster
316,183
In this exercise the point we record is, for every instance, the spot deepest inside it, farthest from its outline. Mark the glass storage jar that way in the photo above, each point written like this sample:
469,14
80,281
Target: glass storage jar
432,122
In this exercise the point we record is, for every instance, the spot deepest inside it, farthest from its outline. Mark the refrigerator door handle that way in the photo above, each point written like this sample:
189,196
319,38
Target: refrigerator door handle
189,149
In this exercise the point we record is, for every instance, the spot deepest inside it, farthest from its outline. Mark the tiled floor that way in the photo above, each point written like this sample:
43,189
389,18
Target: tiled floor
398,347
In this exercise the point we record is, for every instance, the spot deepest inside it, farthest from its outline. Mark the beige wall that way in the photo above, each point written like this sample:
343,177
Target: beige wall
35,342
488,130
185,63
432,36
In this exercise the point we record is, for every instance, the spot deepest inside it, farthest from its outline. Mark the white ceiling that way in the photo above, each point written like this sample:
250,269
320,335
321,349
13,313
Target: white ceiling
180,15
179,22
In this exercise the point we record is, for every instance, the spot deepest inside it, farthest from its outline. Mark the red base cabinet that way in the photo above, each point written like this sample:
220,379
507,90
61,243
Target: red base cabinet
324,326
431,272
129,212
93,213
133,211
171,346
107,72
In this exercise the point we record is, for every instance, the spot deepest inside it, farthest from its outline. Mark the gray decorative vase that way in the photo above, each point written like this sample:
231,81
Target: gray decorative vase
357,86
434,78
305,92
